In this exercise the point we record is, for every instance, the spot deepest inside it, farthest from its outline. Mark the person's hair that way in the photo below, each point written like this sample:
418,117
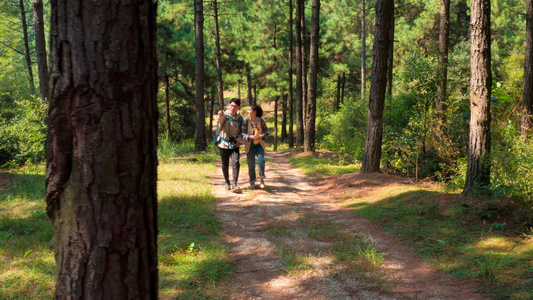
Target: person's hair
236,100
258,110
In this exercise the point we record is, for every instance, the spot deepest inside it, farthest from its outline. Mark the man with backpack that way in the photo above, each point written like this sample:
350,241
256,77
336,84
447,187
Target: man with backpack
228,141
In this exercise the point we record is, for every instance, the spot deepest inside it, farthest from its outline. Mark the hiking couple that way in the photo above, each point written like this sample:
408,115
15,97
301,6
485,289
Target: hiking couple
232,131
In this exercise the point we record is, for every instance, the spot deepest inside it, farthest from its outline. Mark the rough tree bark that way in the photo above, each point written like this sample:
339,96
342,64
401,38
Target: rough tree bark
27,53
200,142
378,84
40,43
478,170
101,149
309,145
527,101
444,40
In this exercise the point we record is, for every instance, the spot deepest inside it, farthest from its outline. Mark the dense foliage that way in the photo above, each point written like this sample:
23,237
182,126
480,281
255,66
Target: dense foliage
255,50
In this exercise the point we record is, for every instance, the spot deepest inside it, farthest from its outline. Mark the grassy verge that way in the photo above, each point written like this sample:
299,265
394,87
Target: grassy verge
192,259
456,234
321,164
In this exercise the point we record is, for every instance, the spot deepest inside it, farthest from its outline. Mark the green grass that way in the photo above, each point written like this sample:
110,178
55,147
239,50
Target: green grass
193,261
446,230
26,259
323,164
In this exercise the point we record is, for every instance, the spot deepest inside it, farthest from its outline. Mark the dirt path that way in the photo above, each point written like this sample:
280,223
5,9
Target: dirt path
267,228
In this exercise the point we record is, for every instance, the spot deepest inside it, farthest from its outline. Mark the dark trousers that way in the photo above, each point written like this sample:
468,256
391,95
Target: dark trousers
225,155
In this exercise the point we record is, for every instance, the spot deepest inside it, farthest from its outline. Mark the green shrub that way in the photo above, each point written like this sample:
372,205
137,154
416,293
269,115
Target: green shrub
22,132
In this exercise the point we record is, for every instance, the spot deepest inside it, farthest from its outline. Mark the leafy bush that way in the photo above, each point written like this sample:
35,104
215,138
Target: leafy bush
347,128
22,131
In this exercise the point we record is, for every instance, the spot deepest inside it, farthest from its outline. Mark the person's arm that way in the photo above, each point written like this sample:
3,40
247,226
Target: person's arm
244,131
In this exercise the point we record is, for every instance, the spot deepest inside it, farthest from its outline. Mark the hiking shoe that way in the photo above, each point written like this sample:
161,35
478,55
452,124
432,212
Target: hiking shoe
236,186
252,185
262,184
228,187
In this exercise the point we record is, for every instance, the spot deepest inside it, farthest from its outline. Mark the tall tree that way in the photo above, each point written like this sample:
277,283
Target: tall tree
27,52
42,63
291,93
313,78
218,57
101,149
478,171
378,84
200,142
299,77
527,101
444,41
303,57
363,49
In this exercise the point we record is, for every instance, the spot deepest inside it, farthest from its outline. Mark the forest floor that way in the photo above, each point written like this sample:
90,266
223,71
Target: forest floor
291,240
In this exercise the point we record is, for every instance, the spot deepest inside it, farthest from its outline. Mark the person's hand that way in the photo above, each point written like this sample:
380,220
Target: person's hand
221,113
251,137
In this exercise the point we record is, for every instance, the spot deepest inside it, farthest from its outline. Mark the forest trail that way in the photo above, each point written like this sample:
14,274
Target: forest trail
265,229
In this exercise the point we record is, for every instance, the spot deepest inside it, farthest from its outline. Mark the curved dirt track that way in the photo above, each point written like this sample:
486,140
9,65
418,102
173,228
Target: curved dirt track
263,228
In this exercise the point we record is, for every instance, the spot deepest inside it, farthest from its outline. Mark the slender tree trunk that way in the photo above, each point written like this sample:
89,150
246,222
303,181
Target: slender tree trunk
255,94
42,63
313,78
211,113
303,57
363,49
299,79
291,93
444,39
342,86
284,119
200,142
376,103
249,83
102,149
276,100
167,103
478,171
27,53
338,95
527,101
218,61
391,60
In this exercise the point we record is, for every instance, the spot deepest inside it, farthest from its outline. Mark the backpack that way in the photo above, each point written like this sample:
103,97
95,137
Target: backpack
218,138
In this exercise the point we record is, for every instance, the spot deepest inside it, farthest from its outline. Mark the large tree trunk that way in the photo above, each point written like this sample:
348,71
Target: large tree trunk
42,63
299,79
478,171
313,78
218,61
527,101
376,103
101,149
200,142
444,40
291,93
363,49
27,53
